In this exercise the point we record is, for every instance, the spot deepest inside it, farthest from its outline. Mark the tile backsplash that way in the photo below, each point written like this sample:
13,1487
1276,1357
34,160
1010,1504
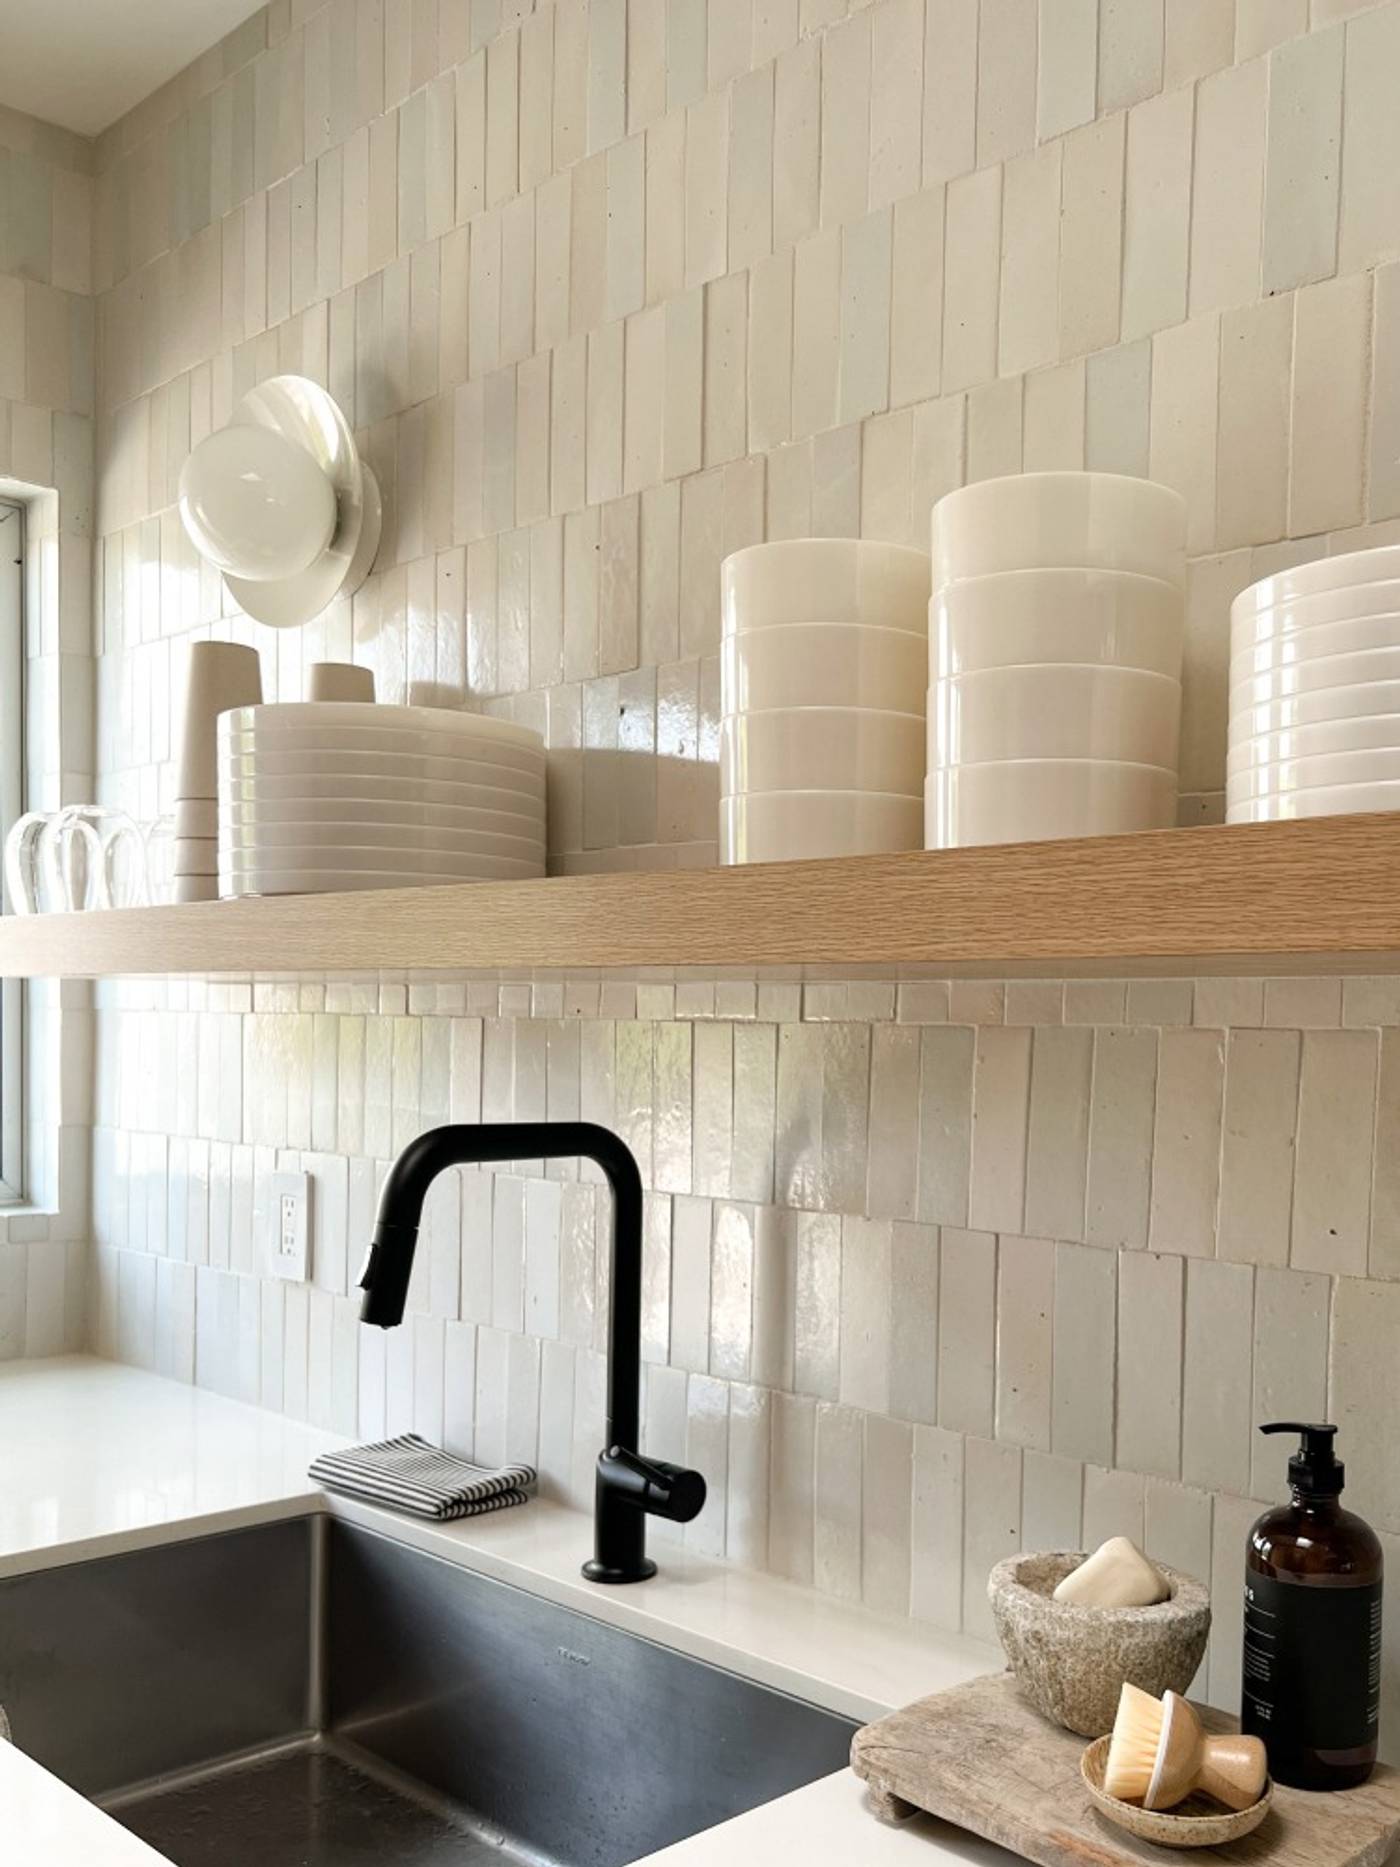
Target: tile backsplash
609,288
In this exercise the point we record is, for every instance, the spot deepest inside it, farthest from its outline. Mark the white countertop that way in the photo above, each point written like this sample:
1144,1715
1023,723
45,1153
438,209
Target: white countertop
100,1458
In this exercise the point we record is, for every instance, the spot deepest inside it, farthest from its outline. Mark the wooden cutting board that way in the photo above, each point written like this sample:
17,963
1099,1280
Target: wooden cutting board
982,1757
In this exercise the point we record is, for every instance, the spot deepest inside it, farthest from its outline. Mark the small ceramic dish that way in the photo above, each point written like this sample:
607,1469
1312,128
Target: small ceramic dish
1196,1823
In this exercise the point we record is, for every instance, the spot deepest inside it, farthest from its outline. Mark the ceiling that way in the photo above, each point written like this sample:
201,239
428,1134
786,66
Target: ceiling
84,63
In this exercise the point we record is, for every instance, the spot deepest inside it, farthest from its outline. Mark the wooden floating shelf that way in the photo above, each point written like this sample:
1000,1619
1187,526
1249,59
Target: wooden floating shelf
1315,896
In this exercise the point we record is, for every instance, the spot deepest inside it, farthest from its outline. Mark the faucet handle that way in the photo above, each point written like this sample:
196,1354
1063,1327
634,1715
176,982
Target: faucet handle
654,1485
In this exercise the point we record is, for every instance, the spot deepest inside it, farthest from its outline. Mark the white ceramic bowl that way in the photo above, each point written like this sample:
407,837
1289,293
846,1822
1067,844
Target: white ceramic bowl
1037,800
1336,800
1029,521
1250,623
1364,635
823,665
1336,573
252,839
1367,668
356,716
822,748
1369,699
790,826
387,860
1312,774
1367,733
381,742
460,771
339,881
802,580
355,786
1053,712
329,813
1110,617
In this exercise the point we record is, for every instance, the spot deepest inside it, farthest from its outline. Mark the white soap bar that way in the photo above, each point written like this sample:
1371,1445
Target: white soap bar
1117,1575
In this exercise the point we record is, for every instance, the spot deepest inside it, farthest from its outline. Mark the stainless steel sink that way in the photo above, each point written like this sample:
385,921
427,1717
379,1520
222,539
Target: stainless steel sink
304,1694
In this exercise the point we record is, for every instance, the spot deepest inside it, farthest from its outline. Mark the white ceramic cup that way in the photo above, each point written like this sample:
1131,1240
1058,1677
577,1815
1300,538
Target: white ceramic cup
1112,618
805,580
196,816
1028,521
821,748
790,826
823,665
196,855
1058,711
1039,800
220,675
342,681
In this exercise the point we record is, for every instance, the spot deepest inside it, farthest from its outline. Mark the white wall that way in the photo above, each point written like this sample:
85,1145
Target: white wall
611,289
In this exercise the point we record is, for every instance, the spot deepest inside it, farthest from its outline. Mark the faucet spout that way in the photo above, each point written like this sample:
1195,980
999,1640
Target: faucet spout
629,1488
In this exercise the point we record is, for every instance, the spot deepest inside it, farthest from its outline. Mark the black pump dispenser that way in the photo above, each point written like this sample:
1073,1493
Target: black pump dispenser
1314,1469
1312,1625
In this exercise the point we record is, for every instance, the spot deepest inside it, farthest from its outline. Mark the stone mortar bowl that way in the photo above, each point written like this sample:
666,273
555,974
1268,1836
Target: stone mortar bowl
1071,1661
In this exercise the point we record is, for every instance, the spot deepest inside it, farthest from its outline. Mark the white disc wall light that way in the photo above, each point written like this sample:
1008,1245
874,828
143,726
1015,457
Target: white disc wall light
280,501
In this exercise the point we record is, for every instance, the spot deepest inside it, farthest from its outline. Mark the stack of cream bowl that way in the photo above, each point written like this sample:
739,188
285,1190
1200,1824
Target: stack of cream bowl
1055,641
317,796
823,666
1315,690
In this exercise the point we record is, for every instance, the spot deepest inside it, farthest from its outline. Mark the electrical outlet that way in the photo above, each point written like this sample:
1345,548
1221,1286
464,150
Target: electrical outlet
289,1215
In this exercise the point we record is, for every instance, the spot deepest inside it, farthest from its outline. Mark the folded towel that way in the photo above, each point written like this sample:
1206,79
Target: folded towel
409,1474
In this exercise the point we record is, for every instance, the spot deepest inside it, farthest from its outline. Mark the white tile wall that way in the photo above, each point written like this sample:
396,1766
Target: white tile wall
610,289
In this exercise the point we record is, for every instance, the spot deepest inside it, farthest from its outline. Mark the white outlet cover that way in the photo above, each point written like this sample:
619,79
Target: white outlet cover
288,1210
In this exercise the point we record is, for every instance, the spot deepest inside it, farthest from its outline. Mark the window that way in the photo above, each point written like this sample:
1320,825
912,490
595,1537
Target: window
11,804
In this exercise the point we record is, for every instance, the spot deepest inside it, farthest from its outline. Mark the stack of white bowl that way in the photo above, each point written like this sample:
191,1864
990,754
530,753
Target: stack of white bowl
319,796
823,665
1315,690
1055,639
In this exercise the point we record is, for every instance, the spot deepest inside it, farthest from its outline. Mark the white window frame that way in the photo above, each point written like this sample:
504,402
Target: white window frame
11,806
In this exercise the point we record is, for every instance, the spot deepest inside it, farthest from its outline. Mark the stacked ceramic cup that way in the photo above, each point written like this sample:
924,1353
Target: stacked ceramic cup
1315,690
823,665
323,795
1055,639
221,675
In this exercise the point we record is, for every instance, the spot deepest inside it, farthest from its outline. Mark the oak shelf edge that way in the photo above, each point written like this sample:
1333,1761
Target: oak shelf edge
1319,895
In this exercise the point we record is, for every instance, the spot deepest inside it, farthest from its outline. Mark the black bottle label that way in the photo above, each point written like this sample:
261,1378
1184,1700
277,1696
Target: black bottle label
1312,1665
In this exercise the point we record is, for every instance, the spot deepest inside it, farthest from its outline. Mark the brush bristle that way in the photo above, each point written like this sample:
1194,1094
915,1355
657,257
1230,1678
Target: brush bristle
1132,1750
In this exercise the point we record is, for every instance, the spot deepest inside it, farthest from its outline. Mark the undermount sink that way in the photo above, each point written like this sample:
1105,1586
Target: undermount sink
307,1694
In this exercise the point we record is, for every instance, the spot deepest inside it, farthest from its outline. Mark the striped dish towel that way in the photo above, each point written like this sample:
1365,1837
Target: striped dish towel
409,1474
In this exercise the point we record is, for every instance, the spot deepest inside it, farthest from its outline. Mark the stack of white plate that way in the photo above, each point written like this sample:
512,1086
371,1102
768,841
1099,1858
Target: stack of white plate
1055,639
319,796
823,667
1315,690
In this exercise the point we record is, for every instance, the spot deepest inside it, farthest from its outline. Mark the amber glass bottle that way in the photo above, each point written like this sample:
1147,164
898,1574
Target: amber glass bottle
1312,1626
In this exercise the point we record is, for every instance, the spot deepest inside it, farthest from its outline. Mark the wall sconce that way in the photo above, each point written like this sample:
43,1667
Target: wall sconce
282,503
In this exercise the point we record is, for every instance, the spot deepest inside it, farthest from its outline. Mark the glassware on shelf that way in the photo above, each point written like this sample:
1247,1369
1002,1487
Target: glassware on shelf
25,874
85,856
